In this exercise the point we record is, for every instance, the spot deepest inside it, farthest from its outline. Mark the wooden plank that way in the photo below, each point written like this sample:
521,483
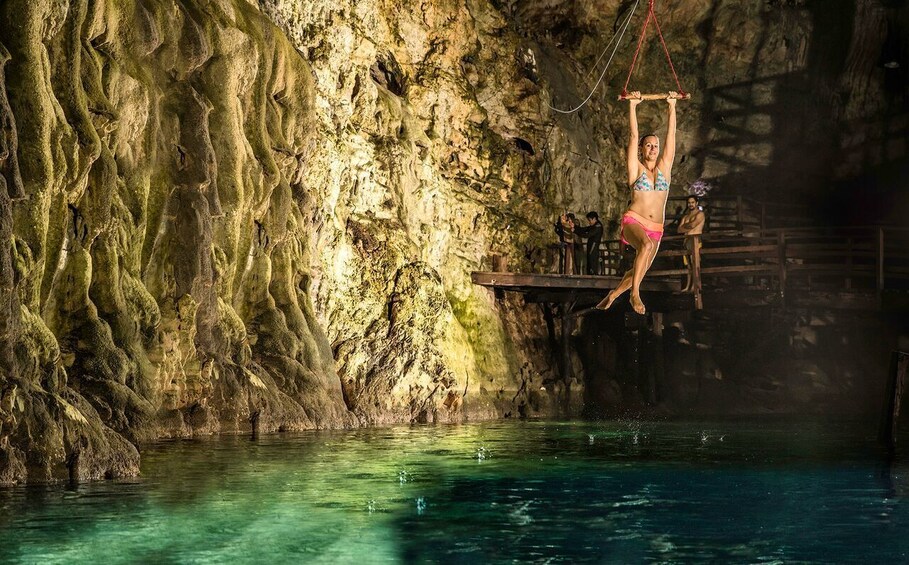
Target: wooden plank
718,254
744,270
525,281
832,243
835,268
737,297
821,247
748,270
665,273
869,256
835,300
745,249
738,249
657,301
556,296
715,240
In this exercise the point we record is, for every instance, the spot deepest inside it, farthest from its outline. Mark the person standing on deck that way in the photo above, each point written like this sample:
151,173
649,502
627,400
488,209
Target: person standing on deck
649,175
564,227
578,251
593,231
692,226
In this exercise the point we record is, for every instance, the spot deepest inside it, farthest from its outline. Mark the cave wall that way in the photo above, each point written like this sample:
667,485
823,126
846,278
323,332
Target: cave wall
792,101
207,228
155,265
227,215
436,149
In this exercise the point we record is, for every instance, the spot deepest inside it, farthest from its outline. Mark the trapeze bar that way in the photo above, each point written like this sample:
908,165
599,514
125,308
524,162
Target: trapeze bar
660,96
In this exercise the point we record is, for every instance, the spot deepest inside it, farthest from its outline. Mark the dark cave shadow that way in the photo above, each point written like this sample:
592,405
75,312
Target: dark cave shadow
803,153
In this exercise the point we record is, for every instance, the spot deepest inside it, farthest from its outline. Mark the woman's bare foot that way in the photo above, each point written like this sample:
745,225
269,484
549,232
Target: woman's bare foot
638,305
606,302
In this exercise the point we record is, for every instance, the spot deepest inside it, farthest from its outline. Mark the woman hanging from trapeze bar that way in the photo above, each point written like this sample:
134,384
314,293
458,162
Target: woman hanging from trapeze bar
649,174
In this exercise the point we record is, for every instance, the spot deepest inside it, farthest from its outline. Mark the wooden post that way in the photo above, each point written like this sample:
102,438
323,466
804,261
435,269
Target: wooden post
896,383
658,324
880,264
658,372
636,360
849,263
567,328
740,214
550,326
781,257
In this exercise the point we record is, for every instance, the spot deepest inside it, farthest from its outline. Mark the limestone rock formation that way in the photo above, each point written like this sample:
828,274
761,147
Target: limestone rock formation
155,259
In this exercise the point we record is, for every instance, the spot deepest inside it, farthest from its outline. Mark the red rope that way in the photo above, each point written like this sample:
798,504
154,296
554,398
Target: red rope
651,15
666,50
638,50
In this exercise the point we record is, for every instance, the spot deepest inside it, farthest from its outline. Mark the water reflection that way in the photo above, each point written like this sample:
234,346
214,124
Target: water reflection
525,491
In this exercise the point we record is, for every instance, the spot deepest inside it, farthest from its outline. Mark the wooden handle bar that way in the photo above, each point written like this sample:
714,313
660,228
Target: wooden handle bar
661,96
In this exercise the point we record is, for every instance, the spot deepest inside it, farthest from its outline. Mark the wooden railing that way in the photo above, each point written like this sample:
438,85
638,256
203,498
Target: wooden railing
740,214
852,258
755,244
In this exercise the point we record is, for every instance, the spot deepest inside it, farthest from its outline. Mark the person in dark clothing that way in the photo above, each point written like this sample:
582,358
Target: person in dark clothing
593,231
564,227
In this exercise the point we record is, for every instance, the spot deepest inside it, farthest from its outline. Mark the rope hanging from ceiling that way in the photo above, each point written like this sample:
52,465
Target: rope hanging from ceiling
651,16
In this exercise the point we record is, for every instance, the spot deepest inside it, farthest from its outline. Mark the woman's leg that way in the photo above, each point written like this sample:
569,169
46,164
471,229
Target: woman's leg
646,250
623,285
637,238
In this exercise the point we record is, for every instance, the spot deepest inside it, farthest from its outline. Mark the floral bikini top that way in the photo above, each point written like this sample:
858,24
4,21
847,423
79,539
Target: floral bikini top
643,182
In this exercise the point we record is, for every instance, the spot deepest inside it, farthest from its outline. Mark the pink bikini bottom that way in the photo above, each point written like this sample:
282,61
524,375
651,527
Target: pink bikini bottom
654,230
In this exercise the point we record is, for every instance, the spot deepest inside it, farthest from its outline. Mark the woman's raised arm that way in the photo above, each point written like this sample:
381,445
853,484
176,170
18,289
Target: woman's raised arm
634,98
669,148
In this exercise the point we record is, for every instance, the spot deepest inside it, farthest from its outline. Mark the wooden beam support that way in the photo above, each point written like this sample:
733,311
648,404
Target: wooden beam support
893,397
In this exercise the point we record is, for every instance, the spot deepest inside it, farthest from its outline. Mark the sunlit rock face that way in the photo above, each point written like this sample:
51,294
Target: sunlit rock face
435,149
155,233
205,230
223,215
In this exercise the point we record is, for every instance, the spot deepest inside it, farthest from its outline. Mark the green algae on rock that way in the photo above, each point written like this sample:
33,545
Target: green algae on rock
202,238
160,141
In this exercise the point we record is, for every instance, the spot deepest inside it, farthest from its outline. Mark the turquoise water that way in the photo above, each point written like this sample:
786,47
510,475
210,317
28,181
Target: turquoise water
540,492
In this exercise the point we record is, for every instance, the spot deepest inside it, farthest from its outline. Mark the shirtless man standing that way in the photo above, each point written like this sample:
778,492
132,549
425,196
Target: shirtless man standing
692,225
649,174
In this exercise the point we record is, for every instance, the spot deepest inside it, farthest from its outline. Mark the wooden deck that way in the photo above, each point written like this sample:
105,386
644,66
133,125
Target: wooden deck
743,265
533,282
855,268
